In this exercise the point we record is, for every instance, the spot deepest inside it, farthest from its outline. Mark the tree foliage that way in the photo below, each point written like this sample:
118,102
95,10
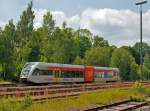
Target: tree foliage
99,56
21,43
123,59
78,61
99,42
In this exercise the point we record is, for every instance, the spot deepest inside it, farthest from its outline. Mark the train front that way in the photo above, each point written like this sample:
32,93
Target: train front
25,73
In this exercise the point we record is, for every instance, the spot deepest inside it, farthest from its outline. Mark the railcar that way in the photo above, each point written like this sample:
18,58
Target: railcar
38,72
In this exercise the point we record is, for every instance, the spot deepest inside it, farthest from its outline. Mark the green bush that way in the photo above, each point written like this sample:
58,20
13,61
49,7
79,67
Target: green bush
11,104
139,92
138,87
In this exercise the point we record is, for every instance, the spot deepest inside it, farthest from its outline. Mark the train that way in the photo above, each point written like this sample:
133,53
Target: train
40,72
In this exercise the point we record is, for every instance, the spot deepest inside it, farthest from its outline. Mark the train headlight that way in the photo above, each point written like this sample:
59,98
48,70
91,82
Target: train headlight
24,76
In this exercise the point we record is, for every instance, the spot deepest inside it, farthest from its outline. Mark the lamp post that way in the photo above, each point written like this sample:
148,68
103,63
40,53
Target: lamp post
141,42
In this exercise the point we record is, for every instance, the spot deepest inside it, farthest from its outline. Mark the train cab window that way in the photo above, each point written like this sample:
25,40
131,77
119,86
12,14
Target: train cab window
36,72
115,73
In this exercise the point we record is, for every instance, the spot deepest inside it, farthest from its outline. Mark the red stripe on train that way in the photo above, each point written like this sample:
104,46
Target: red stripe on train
101,70
64,68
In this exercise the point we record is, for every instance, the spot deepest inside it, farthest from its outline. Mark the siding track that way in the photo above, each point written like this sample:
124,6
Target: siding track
126,105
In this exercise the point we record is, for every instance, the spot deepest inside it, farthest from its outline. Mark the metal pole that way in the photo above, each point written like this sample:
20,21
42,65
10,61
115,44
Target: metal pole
141,42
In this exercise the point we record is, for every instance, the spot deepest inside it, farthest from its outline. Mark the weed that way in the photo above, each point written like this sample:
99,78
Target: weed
75,104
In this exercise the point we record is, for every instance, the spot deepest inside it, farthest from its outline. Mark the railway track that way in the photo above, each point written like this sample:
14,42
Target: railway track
8,85
43,87
42,93
45,90
17,86
126,105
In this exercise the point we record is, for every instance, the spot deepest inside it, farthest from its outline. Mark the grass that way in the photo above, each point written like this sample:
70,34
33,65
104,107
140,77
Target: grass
11,104
5,82
137,93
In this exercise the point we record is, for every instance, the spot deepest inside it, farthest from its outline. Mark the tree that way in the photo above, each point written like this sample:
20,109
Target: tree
147,61
64,46
99,41
146,65
98,56
134,73
7,50
47,35
25,25
136,51
24,33
122,59
78,61
48,23
21,43
24,38
83,38
34,54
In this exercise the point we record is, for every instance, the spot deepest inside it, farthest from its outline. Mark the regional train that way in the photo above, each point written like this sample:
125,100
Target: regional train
39,72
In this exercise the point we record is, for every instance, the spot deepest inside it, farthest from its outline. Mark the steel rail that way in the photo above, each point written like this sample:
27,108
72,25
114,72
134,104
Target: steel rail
126,105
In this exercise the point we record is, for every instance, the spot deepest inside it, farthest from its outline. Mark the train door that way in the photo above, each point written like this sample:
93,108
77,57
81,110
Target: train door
89,73
57,75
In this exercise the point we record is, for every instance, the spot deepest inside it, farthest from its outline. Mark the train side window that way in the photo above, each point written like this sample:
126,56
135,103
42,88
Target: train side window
105,74
62,74
98,74
80,74
50,72
71,74
66,74
35,72
45,72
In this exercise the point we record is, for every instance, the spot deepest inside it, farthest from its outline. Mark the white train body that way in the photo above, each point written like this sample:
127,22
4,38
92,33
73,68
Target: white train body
38,72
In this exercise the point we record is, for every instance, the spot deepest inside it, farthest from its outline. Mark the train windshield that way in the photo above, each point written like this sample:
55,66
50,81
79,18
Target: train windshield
26,68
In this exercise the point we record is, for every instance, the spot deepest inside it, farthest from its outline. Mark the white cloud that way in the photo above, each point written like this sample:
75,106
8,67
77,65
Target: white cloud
2,24
119,27
39,17
58,16
74,21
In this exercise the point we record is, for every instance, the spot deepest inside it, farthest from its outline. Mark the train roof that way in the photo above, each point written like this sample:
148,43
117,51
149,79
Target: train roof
70,65
104,68
59,65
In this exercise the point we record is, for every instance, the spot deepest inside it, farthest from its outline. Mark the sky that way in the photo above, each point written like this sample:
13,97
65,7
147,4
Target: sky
115,20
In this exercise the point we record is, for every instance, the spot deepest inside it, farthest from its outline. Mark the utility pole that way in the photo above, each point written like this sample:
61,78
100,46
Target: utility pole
141,42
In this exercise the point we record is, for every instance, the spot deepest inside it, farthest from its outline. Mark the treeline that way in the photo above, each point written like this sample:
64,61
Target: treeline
21,43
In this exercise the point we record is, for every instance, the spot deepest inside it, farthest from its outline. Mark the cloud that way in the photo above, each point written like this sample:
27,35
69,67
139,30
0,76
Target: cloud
39,13
58,16
2,24
119,27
